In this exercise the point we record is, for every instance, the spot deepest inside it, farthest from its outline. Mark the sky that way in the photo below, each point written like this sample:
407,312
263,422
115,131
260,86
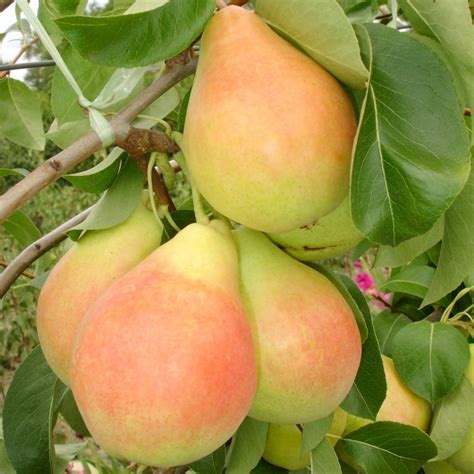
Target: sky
12,42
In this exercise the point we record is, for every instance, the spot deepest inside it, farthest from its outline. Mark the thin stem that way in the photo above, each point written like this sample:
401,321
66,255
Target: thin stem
29,275
36,250
19,55
149,175
449,308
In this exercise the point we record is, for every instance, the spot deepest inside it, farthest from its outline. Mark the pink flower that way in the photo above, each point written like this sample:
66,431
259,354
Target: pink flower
364,281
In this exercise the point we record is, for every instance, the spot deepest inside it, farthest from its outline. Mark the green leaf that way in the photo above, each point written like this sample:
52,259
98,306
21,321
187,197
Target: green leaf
452,419
387,325
13,172
138,39
70,412
407,251
21,228
100,177
29,415
212,464
91,79
158,110
68,132
368,391
350,292
118,202
263,467
360,11
456,260
5,465
399,448
20,115
322,31
63,7
411,157
448,22
65,453
314,432
183,108
430,358
247,446
413,280
324,459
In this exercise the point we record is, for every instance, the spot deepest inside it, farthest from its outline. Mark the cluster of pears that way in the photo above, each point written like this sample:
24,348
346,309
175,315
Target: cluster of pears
168,348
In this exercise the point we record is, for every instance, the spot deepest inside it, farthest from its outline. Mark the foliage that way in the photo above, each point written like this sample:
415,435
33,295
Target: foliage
409,283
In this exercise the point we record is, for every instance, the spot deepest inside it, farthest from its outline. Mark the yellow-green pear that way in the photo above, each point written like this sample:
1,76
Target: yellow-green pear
440,467
163,370
400,405
464,458
306,338
268,134
284,443
87,269
330,236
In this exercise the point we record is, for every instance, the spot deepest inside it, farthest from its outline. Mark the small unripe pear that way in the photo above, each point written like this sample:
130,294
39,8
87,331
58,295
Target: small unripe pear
330,236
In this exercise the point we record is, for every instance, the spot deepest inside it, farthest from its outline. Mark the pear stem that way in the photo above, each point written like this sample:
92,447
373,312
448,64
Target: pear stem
199,212
150,168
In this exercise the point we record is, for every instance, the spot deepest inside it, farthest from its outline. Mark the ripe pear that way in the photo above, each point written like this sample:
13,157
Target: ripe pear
331,236
284,443
307,342
87,269
463,459
164,369
400,405
268,134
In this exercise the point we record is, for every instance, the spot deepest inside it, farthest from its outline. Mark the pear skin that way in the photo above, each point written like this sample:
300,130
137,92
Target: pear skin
331,236
87,269
284,443
268,134
400,405
307,342
164,367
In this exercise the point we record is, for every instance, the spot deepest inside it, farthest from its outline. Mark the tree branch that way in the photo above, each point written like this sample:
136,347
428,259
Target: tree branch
36,249
53,168
4,4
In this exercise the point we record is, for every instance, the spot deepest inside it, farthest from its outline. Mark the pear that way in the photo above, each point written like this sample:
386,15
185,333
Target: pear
163,369
463,459
268,133
87,269
331,236
284,443
306,338
400,405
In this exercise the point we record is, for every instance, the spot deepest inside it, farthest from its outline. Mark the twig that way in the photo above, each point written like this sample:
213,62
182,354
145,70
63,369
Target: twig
239,3
29,275
36,249
4,4
19,55
158,183
29,255
53,168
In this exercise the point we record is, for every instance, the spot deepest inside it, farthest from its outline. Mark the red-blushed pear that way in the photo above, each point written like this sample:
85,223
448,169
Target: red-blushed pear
163,369
87,269
284,443
307,341
331,236
400,405
268,133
